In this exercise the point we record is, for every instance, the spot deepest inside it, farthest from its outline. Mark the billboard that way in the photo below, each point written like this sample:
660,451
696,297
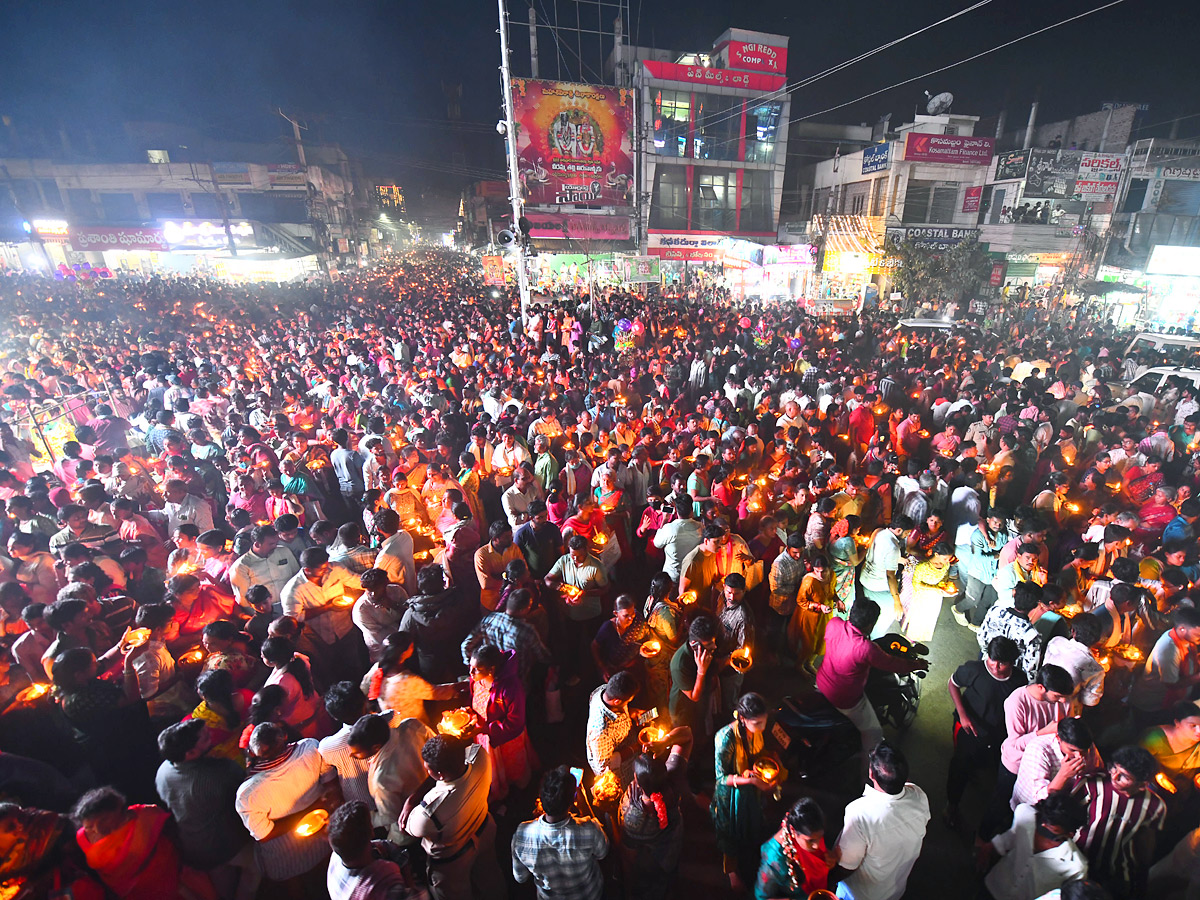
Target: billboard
574,142
493,270
971,199
1099,176
1012,165
289,174
757,57
876,158
790,255
1073,175
231,173
1170,260
948,148
642,270
1052,174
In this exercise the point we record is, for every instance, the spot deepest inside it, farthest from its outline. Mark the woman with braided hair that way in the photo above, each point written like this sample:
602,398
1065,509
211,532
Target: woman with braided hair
795,862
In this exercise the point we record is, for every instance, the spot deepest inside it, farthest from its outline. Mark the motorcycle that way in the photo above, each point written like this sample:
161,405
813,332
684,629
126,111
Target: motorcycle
812,738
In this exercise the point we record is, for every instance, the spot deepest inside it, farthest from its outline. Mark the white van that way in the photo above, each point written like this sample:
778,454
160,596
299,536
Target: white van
1148,340
1148,385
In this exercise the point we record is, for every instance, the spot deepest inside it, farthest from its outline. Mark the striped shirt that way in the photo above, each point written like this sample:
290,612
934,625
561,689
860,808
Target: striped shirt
1114,821
290,786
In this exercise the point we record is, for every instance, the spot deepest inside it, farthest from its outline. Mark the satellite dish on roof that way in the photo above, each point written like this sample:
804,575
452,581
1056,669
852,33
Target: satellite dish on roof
938,103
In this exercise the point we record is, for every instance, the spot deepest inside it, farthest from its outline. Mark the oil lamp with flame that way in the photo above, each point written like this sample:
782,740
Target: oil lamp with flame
740,659
650,649
312,823
607,787
135,638
455,721
33,692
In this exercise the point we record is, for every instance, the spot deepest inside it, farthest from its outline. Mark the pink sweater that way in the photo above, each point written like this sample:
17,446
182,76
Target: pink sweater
1023,717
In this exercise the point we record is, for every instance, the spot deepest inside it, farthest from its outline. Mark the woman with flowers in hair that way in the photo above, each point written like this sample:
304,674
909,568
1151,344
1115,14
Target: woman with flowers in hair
650,818
795,862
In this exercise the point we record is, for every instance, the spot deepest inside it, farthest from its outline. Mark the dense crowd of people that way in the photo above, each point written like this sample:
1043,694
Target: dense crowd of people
370,589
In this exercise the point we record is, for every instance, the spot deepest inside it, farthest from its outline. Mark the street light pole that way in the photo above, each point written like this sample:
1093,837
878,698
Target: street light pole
514,181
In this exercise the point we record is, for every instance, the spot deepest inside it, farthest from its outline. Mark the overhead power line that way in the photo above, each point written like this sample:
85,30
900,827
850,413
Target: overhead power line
964,61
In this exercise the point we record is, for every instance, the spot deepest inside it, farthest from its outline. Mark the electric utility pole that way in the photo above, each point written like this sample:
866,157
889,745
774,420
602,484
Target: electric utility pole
514,181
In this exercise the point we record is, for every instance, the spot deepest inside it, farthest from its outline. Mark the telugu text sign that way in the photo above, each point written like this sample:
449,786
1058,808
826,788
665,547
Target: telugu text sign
578,227
948,148
97,237
755,81
876,158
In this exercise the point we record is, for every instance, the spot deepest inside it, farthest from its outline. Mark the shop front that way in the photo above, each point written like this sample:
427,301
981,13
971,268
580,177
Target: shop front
689,259
1172,285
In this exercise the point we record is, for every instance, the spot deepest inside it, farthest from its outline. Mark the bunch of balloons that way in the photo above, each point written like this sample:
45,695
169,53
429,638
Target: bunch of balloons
623,336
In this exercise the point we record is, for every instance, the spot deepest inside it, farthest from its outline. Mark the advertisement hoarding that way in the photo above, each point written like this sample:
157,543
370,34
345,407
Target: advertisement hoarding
642,270
1012,166
1073,175
579,227
1099,176
948,148
574,142
757,57
290,174
971,199
99,237
1166,260
876,158
493,270
231,173
790,255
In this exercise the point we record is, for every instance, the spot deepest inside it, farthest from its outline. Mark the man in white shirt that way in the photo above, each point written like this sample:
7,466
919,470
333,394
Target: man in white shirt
321,595
516,500
883,830
1074,654
880,577
1038,854
267,563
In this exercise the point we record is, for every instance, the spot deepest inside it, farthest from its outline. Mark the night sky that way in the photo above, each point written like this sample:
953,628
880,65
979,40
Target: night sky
366,73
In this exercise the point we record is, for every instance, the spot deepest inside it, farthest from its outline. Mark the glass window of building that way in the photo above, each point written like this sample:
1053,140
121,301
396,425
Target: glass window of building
756,201
671,112
762,124
718,120
668,204
714,207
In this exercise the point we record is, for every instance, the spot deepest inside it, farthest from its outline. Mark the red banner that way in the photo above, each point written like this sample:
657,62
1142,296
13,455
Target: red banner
998,270
971,199
948,148
574,142
757,57
557,225
101,237
755,81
